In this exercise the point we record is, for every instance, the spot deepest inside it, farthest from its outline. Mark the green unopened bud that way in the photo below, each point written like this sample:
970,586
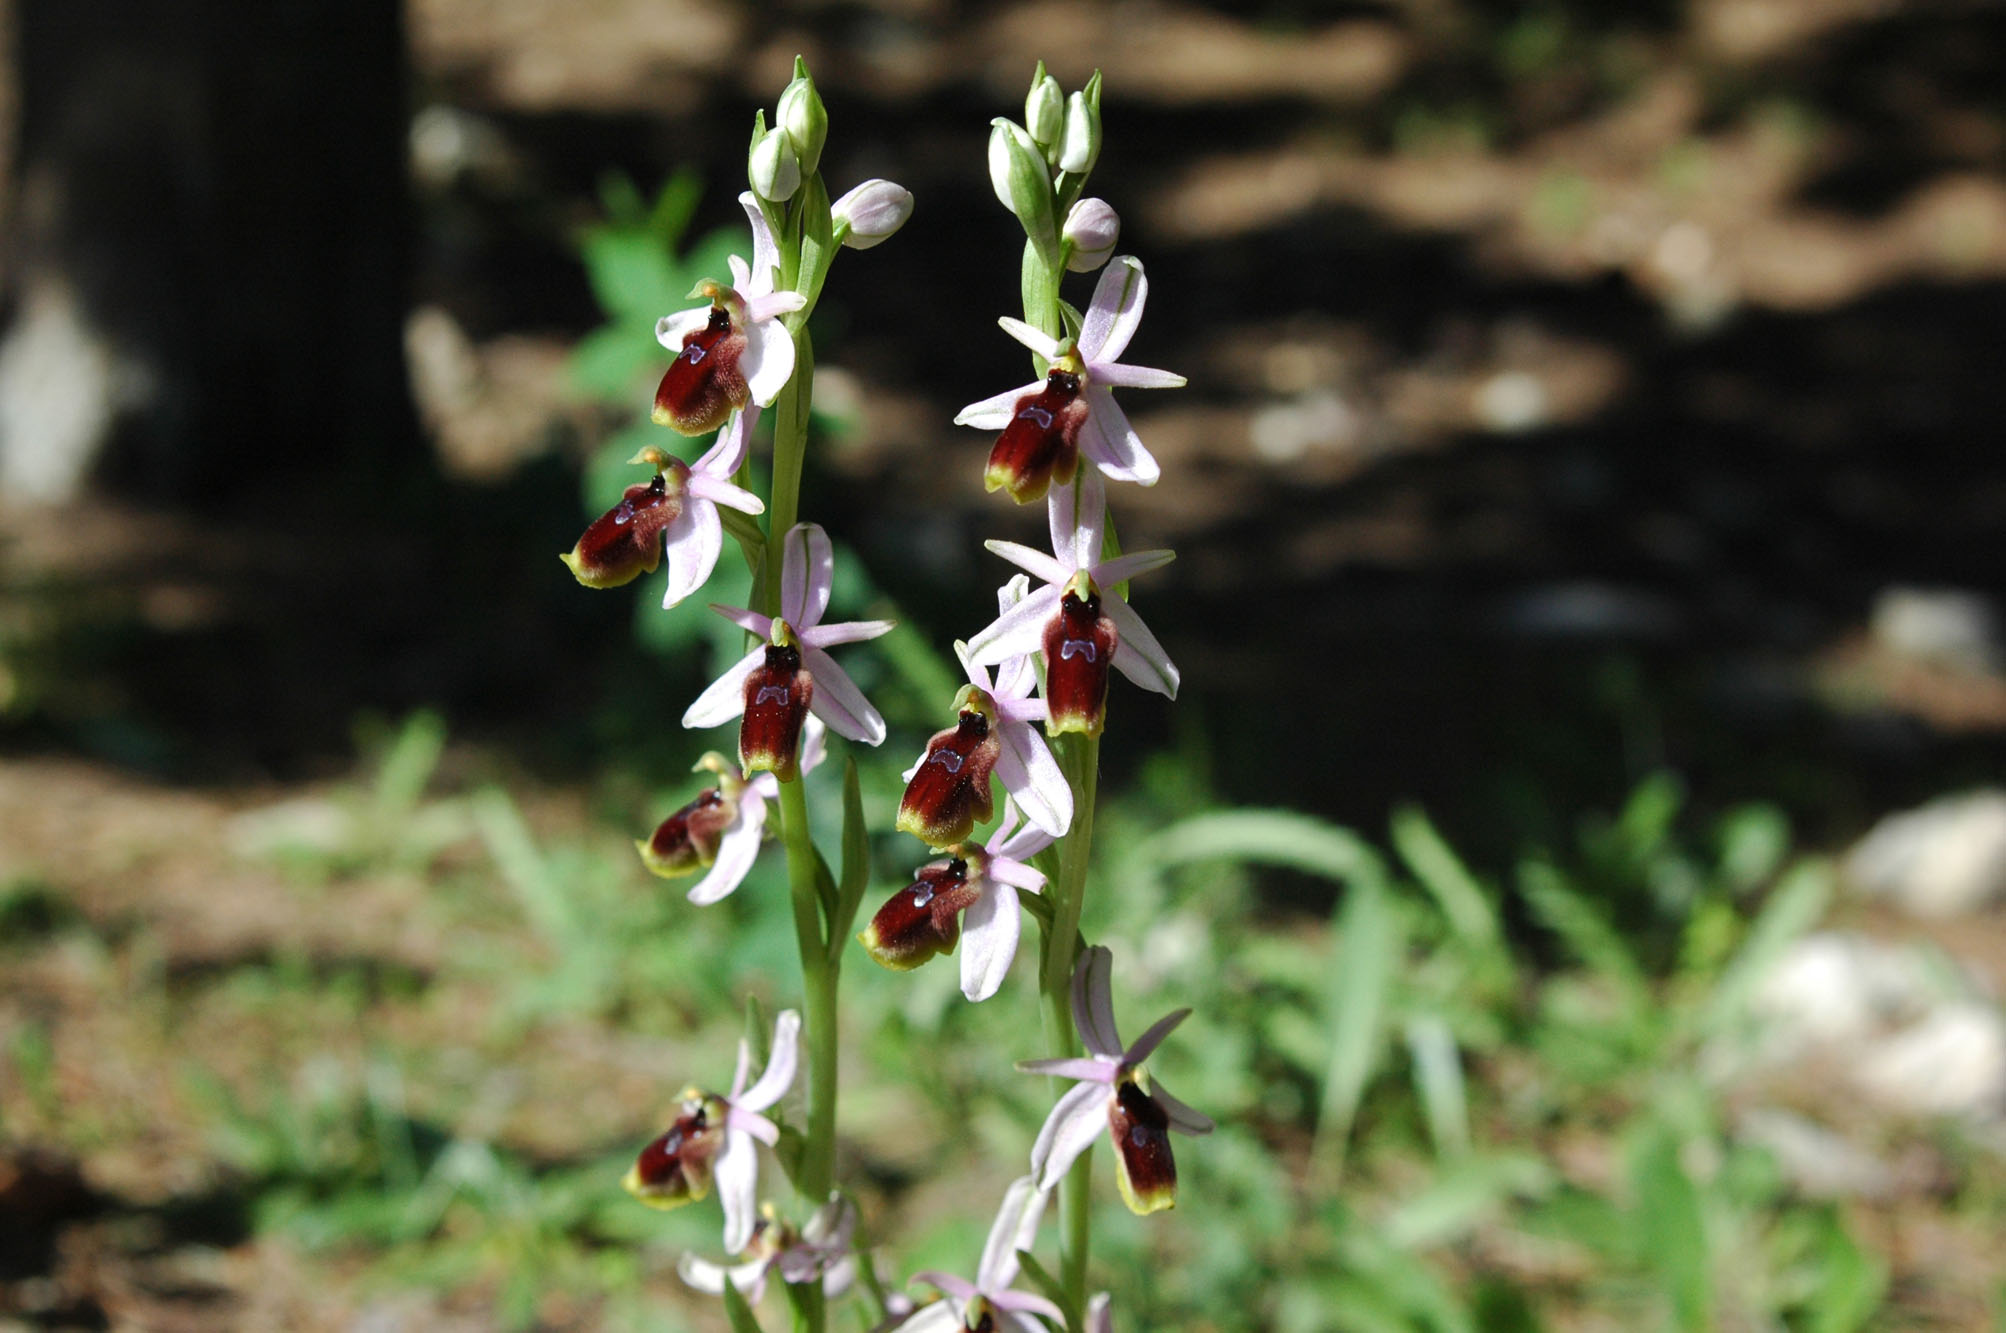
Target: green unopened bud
775,167
1092,228
1080,147
1045,108
871,212
803,116
1020,177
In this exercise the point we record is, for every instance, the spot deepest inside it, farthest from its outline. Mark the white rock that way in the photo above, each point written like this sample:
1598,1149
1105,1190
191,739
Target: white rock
1943,859
1951,1063
1949,627
1836,989
1820,1163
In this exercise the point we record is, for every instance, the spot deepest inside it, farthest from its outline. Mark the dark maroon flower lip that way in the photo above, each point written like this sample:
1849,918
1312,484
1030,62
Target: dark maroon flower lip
923,919
688,840
705,383
1147,1172
675,1167
1041,443
948,793
1079,647
625,542
778,694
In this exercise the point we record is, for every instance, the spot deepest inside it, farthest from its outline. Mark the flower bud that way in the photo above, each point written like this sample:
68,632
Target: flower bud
922,920
676,1168
705,384
777,695
625,542
1080,146
1041,443
948,794
1045,109
1080,643
871,212
775,167
1092,228
1144,1168
1018,173
806,121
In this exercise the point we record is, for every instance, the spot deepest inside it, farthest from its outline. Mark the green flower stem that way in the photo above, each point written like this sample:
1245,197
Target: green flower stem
1081,758
819,972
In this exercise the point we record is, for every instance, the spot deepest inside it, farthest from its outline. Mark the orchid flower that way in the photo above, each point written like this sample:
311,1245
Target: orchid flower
1080,629
947,788
820,1249
775,685
713,1138
724,826
990,1296
1049,423
734,350
694,538
920,921
1115,1096
678,507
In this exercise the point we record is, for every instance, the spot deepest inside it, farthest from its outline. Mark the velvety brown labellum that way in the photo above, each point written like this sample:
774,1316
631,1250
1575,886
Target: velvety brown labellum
675,1168
704,385
777,696
1146,1172
1079,648
687,840
625,542
923,919
949,793
1040,444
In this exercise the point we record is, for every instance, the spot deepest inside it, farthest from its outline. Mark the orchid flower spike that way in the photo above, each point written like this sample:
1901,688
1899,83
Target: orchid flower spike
723,827
947,787
776,685
676,512
713,1138
735,349
1049,423
1081,629
1115,1096
989,1302
924,919
820,1249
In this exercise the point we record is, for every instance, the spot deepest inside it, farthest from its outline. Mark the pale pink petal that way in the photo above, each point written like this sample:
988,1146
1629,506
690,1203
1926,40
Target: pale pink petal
741,274
839,702
670,330
1043,567
1015,873
839,1277
1099,1319
1015,1228
691,543
1077,515
1093,1002
1137,654
741,1121
1107,438
1014,1306
1182,1118
717,490
736,851
768,309
767,361
989,933
997,412
743,1071
1019,630
807,572
1022,710
939,1317
749,621
727,453
958,1287
1125,567
725,697
1022,845
765,254
736,1176
1084,1067
1116,310
1113,374
1029,773
1044,344
846,631
1147,1043
1013,592
1015,679
705,1276
779,1075
1079,1118
814,747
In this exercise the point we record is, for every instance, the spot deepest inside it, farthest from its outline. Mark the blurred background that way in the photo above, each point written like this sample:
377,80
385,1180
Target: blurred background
1580,831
